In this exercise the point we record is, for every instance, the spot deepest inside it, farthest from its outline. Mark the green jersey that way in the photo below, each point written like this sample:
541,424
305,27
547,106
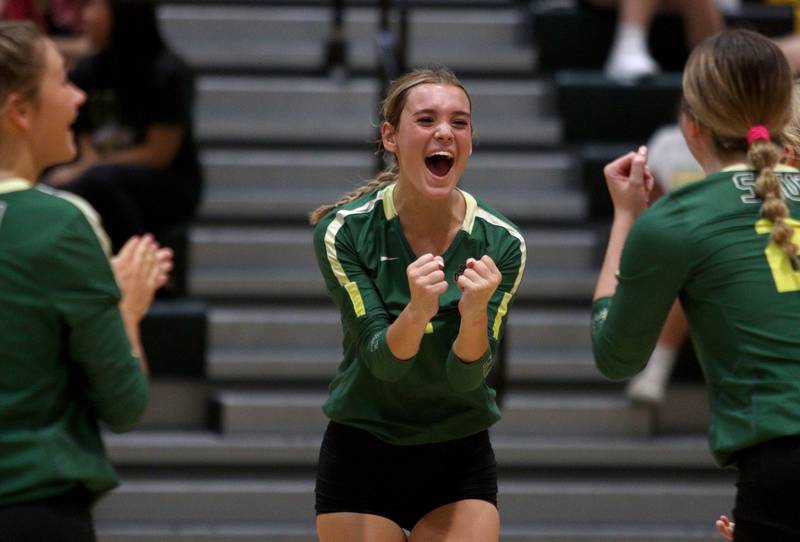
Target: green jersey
707,245
434,397
65,359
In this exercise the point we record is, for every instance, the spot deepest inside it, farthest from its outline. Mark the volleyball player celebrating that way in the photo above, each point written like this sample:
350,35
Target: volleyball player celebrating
727,247
423,274
70,352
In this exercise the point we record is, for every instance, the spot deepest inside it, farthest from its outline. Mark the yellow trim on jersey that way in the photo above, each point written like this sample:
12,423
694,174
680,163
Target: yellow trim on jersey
503,308
501,312
355,298
491,219
15,184
786,278
471,206
389,210
333,258
469,215
429,329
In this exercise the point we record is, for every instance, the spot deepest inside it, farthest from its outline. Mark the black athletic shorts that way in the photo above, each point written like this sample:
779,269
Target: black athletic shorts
768,496
360,473
63,518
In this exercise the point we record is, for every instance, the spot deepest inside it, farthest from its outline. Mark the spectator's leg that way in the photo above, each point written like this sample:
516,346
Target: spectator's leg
701,19
629,58
649,386
790,45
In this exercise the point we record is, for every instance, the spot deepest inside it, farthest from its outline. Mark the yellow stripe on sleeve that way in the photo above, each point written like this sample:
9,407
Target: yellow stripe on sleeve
501,312
355,298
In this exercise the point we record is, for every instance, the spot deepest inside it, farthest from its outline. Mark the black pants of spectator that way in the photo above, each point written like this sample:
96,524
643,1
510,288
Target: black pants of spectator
64,518
768,496
133,199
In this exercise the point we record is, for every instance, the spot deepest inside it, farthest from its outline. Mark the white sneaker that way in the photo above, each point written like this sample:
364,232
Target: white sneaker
649,386
629,66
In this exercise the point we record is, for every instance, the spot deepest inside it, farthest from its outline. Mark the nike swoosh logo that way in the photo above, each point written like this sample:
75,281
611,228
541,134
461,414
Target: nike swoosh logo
388,259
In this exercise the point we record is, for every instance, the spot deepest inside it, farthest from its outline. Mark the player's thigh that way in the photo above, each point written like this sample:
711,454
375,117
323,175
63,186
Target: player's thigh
469,520
354,527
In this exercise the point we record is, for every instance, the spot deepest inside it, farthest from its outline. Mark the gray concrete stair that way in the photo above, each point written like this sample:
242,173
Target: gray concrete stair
287,184
205,448
539,413
550,498
550,285
256,37
326,112
241,261
280,343
514,532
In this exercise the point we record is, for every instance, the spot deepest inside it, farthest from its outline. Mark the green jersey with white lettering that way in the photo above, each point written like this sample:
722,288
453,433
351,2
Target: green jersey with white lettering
707,244
434,397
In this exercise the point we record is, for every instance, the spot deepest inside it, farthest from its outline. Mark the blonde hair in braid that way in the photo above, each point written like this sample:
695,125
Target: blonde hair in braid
383,178
734,82
392,109
764,155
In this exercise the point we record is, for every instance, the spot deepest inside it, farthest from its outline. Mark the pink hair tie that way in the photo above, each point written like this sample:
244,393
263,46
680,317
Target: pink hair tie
759,131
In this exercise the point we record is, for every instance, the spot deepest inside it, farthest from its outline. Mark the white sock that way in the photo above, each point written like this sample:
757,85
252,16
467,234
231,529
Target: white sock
630,39
650,385
629,57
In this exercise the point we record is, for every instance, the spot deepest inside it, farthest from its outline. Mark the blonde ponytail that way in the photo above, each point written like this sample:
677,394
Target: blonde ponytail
764,156
383,178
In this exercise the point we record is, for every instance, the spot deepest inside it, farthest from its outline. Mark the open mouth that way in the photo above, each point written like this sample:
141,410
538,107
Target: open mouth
439,163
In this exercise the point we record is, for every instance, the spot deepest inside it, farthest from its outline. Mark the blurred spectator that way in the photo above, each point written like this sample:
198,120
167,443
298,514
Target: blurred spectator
630,58
138,162
59,19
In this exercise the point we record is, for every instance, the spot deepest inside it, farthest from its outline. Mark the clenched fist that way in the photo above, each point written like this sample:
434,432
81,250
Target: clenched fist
477,284
426,283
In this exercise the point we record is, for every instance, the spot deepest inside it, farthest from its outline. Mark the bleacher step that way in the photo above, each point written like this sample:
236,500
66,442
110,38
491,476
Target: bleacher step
283,343
253,284
205,448
540,413
305,532
241,262
558,498
258,37
272,248
648,105
325,112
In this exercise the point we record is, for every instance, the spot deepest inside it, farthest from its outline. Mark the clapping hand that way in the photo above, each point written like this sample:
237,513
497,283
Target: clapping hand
141,267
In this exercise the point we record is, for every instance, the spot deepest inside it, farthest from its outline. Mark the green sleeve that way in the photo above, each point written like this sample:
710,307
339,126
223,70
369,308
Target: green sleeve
510,260
653,268
364,316
86,296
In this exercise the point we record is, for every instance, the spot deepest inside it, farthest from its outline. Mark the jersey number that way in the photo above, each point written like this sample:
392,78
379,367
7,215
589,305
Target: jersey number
2,212
786,278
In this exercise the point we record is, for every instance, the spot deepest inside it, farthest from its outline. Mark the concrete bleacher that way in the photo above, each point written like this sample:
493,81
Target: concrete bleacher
228,453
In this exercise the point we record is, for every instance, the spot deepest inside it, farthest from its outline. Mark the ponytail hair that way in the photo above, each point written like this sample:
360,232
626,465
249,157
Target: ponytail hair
738,84
764,156
392,109
383,178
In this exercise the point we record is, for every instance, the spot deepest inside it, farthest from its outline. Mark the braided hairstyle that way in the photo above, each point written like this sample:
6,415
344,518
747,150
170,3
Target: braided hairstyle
733,82
392,109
